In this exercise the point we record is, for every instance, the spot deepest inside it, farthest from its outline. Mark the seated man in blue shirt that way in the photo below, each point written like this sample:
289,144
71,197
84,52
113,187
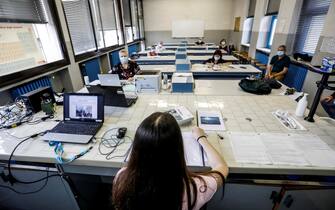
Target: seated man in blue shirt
279,65
328,104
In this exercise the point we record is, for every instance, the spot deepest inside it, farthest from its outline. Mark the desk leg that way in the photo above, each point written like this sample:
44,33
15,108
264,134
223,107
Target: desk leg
322,86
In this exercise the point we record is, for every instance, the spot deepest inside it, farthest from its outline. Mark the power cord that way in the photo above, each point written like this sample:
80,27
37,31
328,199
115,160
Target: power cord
111,140
29,192
10,177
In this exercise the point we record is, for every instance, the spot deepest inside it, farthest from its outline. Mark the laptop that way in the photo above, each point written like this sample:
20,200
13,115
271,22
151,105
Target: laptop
109,80
114,96
83,117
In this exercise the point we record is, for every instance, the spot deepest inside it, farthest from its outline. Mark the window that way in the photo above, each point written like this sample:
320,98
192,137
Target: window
80,26
266,32
30,39
134,18
273,7
252,6
93,24
312,17
140,18
272,31
247,31
127,20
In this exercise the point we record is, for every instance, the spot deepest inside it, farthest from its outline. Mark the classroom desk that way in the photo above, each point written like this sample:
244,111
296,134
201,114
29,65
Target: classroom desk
203,71
223,95
36,156
170,60
173,52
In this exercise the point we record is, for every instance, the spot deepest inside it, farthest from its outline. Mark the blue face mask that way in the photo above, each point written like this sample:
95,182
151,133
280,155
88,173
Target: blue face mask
124,59
280,53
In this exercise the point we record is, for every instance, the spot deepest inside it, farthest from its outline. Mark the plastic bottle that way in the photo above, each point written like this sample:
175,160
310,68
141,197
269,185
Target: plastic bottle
301,106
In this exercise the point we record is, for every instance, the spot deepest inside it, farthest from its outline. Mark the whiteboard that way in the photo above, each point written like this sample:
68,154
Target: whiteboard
188,28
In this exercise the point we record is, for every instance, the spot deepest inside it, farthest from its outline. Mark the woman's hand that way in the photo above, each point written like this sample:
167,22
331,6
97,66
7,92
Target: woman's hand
130,79
328,99
197,132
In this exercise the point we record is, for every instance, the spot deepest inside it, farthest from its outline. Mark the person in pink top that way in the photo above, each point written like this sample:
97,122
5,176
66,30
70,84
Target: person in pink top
156,176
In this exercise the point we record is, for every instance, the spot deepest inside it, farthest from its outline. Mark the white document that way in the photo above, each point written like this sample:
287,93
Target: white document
211,120
321,158
282,150
248,148
192,149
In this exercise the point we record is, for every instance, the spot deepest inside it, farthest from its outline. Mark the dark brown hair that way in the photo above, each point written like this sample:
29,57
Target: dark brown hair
156,176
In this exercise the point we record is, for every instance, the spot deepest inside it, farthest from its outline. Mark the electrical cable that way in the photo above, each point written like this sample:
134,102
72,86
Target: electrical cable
29,192
110,141
14,179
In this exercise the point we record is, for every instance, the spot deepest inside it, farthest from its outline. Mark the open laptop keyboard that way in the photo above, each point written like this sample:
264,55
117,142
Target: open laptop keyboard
76,128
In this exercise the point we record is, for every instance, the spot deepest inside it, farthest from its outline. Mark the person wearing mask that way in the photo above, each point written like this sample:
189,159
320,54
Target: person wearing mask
200,42
223,45
126,69
160,47
328,105
156,175
216,59
152,52
279,65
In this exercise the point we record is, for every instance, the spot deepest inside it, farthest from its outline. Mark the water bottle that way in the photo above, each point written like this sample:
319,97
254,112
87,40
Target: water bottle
301,106
165,79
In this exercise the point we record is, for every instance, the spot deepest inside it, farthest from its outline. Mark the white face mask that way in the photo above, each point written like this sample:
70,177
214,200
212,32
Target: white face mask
124,59
280,53
217,57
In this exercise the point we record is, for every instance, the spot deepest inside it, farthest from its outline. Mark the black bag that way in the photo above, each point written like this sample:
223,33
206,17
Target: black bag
274,84
258,87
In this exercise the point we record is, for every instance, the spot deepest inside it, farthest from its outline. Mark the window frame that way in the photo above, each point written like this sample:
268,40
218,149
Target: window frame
16,77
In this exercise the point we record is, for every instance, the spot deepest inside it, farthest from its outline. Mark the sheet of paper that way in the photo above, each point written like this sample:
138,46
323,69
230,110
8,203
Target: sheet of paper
192,149
282,150
249,148
321,158
211,120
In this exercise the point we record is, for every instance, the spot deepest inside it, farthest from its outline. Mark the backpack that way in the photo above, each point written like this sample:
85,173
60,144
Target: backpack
258,87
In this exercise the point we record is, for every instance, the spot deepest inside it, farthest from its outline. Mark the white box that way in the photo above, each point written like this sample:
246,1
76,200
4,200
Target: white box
148,81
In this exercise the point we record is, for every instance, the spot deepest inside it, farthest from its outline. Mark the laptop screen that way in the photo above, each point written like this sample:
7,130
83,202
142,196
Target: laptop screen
83,107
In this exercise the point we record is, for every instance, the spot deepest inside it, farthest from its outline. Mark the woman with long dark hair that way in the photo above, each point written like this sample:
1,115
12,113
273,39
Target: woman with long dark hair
156,176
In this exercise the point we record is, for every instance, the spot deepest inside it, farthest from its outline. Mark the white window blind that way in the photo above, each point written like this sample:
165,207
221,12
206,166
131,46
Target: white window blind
22,11
247,31
313,15
108,19
134,17
108,14
126,13
80,25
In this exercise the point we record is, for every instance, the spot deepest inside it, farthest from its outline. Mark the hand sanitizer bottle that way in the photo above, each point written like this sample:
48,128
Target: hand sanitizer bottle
301,106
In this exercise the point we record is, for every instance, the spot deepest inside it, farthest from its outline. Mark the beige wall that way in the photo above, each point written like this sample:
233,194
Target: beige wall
159,15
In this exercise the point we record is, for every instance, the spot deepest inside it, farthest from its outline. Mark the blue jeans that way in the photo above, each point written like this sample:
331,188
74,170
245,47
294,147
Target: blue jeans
329,107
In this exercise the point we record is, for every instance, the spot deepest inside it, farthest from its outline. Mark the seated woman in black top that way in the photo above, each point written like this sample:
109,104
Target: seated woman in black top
279,64
216,59
126,69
